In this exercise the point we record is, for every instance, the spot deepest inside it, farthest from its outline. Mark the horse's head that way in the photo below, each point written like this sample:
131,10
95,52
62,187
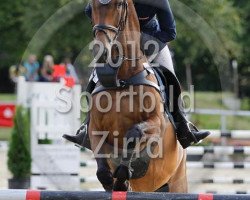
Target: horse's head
109,18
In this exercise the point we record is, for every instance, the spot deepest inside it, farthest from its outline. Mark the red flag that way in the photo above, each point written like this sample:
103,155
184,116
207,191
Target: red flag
69,81
59,71
7,112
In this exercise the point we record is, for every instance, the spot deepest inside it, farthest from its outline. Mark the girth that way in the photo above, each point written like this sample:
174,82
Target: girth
108,80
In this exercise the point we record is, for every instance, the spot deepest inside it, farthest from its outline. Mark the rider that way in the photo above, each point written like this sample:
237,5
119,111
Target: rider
156,22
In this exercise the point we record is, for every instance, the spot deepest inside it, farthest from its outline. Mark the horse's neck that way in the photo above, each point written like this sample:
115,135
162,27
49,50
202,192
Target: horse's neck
130,40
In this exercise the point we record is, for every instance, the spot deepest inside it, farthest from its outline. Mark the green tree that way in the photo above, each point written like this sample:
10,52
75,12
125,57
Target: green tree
207,32
244,58
58,27
19,158
12,38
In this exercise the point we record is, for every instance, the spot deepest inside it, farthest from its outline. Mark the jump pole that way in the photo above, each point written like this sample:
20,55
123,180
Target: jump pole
81,195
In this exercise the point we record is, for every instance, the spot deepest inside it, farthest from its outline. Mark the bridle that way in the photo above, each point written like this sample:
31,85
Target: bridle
116,29
120,27
108,75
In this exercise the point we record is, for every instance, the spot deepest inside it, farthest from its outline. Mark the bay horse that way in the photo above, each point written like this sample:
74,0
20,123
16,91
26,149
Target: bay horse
116,21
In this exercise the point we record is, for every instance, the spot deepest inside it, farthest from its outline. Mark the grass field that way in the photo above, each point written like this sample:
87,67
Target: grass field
208,100
245,104
7,97
5,134
213,100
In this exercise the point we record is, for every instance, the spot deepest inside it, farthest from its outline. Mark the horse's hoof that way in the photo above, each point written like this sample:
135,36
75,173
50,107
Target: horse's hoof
105,177
121,186
122,173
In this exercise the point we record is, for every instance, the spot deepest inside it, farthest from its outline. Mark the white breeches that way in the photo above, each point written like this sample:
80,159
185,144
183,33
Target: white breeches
164,59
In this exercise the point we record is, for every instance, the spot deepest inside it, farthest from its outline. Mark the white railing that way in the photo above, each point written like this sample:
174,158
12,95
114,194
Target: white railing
223,114
55,165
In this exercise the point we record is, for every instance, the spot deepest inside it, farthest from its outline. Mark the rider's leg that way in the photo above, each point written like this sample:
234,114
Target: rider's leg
187,133
164,59
81,138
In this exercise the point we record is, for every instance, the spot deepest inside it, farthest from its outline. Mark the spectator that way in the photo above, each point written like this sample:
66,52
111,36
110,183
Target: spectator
70,70
47,69
15,71
32,68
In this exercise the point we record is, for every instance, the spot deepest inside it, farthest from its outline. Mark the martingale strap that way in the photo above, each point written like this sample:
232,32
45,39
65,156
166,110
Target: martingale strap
138,79
107,75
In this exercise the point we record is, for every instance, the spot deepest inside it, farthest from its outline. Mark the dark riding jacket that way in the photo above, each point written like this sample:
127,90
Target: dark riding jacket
155,17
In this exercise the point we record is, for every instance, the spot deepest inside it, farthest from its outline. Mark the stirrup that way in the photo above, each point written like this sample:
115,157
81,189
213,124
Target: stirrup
192,128
79,138
189,134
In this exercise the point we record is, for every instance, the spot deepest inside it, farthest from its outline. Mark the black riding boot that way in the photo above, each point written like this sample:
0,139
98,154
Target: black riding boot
81,139
187,133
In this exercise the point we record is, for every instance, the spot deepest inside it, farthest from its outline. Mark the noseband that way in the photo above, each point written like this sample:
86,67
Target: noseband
120,27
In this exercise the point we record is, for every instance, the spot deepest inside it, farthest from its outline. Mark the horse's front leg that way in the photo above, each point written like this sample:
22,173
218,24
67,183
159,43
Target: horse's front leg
104,174
133,137
98,146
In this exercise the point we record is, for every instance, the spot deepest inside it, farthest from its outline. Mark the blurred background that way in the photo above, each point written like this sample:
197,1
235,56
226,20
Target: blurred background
46,40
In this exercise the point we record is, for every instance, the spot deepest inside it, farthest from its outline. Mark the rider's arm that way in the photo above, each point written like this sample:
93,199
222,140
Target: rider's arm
166,19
